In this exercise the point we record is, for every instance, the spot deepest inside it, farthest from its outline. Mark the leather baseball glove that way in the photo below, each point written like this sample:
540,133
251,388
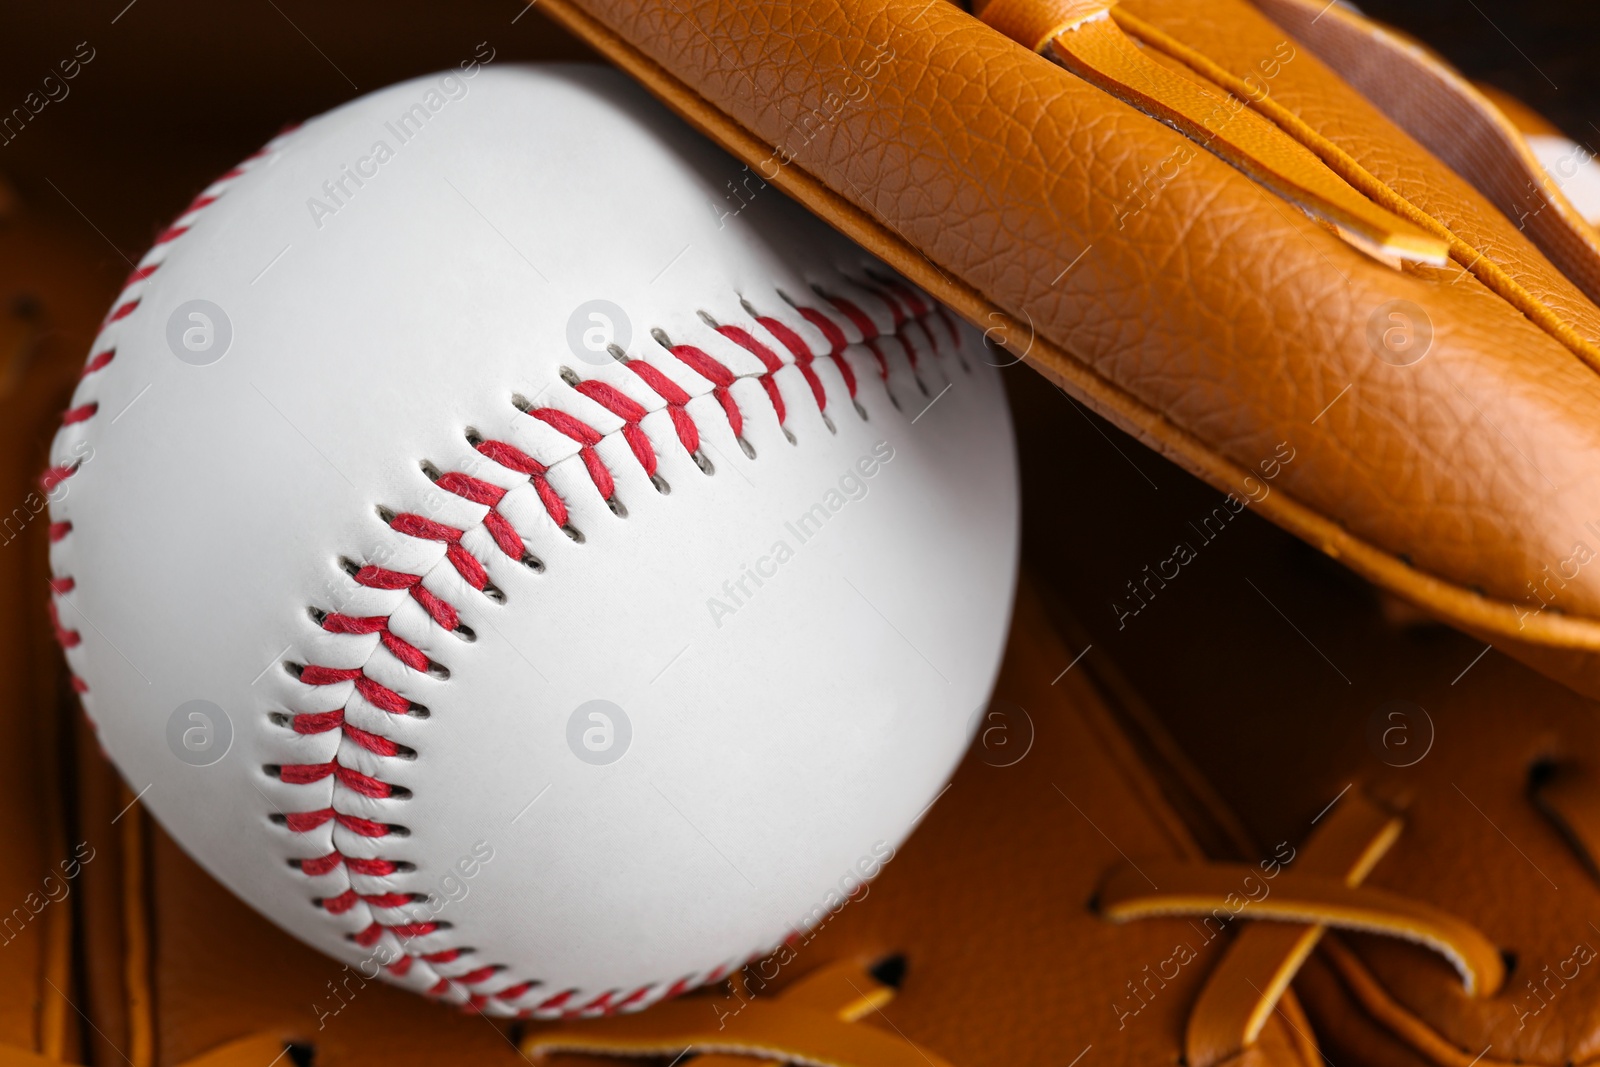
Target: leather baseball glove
1221,226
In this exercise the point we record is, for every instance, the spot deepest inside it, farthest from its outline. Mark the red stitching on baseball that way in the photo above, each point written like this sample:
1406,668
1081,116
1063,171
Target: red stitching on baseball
587,437
631,413
677,403
908,308
721,378
98,362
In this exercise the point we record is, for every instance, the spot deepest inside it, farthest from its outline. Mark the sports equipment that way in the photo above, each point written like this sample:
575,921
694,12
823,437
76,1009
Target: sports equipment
1300,697
521,554
1222,225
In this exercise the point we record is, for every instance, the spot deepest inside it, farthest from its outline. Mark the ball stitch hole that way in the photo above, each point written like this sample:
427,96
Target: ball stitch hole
618,508
703,461
532,562
661,337
746,447
574,533
662,485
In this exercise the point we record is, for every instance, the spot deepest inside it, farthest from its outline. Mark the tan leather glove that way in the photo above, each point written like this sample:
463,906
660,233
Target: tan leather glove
1287,684
1193,220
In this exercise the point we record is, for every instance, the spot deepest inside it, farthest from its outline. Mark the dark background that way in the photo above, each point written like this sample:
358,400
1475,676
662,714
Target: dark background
1542,51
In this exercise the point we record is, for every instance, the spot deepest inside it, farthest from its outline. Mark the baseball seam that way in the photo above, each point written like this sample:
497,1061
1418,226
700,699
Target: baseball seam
434,966
452,974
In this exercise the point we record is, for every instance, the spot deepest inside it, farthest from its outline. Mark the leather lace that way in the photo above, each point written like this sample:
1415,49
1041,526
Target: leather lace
1240,123
810,1022
1322,890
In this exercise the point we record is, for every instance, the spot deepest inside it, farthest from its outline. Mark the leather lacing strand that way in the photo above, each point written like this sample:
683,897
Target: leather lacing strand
420,949
1324,891
1321,890
811,1021
1095,40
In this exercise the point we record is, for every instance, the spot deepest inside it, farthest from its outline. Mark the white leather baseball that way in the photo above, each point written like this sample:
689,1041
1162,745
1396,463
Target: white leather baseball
281,503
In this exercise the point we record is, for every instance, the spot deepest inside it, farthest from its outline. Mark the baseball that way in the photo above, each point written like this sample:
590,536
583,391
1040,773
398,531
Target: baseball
522,554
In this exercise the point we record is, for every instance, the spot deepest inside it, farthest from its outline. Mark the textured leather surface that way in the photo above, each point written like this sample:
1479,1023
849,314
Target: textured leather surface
1206,317
1475,130
780,738
1286,683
